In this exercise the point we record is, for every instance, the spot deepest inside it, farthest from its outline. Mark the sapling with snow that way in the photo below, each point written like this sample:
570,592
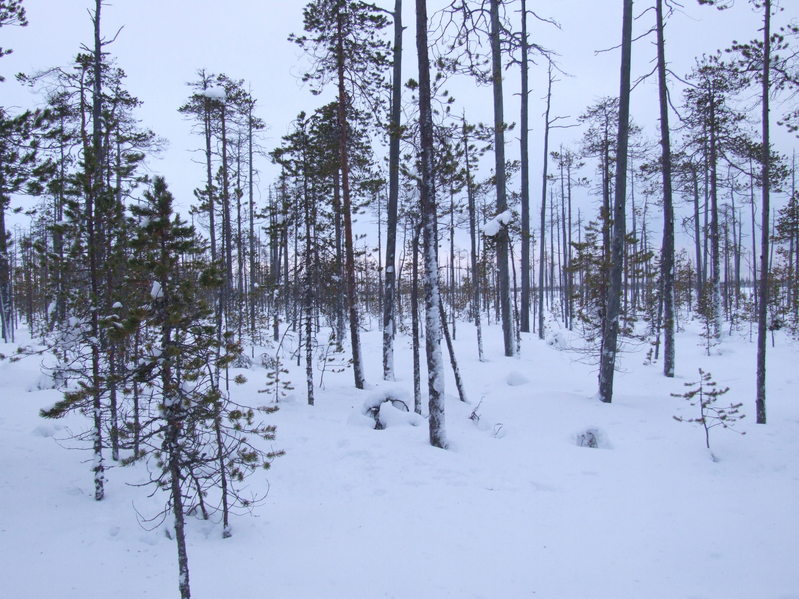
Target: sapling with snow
199,443
704,393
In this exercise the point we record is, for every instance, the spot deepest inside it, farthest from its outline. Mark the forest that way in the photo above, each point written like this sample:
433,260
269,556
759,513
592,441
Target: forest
388,252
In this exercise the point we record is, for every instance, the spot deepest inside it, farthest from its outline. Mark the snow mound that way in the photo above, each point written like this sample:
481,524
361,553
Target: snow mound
46,430
516,378
389,406
43,382
592,437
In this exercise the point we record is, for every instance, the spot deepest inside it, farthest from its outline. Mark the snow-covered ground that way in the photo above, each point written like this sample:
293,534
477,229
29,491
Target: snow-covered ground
514,509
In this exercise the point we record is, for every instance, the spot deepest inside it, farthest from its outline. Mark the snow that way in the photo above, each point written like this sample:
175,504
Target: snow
495,225
516,378
215,93
155,291
515,508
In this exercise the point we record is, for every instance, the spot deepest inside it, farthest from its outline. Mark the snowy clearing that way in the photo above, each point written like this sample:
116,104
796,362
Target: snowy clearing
516,508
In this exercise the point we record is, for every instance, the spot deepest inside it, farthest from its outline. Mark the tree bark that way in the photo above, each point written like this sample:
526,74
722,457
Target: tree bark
349,250
390,292
667,258
499,175
525,164
432,298
542,234
95,190
473,243
760,402
611,329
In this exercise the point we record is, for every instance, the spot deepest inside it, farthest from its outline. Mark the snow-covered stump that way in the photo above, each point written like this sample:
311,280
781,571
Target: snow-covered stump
592,437
373,407
388,407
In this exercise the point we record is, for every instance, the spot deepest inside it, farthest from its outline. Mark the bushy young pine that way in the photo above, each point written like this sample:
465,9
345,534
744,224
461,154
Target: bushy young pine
199,443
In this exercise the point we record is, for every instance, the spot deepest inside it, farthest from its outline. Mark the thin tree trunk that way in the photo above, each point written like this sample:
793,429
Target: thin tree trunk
715,237
667,257
349,250
764,236
417,374
611,329
476,279
525,165
452,360
390,293
432,298
697,235
499,176
542,240
251,202
96,189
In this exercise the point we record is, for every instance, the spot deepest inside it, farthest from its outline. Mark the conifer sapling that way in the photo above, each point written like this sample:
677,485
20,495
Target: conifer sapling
705,393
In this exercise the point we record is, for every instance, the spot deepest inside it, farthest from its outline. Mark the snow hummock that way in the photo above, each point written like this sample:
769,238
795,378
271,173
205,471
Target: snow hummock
494,226
516,378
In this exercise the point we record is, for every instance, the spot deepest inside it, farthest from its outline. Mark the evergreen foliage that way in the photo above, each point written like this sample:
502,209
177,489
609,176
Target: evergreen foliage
704,393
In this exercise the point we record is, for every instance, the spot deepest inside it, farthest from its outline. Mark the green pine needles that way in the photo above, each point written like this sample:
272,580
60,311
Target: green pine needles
704,393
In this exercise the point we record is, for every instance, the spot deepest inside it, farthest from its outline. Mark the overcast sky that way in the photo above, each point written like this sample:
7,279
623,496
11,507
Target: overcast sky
163,43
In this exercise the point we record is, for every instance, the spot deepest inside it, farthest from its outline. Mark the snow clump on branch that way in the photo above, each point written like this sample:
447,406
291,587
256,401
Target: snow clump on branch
494,226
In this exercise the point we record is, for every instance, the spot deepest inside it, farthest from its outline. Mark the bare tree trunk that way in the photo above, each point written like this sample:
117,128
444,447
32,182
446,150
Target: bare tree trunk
473,243
715,237
525,164
417,374
339,259
499,175
251,202
697,235
432,298
5,279
390,293
308,295
174,421
764,236
95,190
227,229
452,288
610,331
349,250
452,360
667,257
542,240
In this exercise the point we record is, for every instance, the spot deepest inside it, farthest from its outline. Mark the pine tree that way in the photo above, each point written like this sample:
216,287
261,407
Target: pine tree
714,131
704,393
11,13
343,37
18,168
200,442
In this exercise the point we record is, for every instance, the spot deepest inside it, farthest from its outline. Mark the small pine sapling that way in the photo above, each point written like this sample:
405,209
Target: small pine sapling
710,332
705,393
276,385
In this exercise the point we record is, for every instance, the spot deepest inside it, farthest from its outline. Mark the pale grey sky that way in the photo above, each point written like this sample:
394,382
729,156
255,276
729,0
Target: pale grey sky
163,44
